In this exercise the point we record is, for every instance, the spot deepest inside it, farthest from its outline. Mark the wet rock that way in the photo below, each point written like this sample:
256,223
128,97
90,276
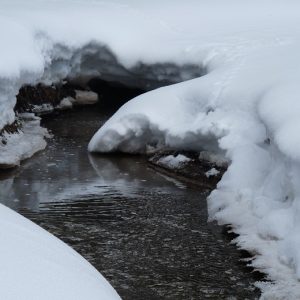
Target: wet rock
191,168
43,99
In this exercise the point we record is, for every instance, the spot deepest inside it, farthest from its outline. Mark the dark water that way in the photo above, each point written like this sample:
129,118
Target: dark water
146,233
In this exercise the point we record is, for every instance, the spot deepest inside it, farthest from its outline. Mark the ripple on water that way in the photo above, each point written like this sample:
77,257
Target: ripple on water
151,246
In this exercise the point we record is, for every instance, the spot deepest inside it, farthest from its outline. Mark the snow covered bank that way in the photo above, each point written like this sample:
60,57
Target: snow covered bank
56,45
51,51
245,108
36,265
15,147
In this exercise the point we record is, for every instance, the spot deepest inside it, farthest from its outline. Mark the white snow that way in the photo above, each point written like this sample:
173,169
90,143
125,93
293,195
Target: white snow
43,108
174,162
66,103
245,108
22,145
35,265
212,172
218,159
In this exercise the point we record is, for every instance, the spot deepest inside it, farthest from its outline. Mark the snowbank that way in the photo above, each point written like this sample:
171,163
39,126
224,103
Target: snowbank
23,144
35,265
245,108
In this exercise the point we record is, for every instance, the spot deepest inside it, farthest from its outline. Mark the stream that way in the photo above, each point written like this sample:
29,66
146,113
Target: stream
145,232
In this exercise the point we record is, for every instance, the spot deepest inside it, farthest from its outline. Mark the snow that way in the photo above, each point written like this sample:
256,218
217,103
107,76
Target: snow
212,172
43,108
174,162
23,144
66,103
35,265
244,109
217,159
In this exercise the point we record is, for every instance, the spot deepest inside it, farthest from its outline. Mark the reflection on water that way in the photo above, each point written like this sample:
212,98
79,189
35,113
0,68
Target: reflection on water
66,169
145,232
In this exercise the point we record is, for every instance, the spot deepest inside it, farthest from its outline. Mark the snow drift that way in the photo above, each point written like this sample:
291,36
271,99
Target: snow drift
36,265
245,107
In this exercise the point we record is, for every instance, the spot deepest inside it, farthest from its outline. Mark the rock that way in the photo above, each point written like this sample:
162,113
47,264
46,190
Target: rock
85,97
188,167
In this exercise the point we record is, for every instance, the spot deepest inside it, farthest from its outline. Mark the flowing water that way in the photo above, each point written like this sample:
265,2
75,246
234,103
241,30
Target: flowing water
146,233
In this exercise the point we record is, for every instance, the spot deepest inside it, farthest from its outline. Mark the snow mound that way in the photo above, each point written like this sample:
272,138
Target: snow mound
35,265
24,143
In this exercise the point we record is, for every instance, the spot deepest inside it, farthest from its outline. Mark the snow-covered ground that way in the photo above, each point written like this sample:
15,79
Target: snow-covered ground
245,108
23,144
35,265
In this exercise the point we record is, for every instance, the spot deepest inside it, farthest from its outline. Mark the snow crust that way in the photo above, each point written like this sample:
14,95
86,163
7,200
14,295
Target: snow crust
35,265
212,172
245,108
174,162
24,143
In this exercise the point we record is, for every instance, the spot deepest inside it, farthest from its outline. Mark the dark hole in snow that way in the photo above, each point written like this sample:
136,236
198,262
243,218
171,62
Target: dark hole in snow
113,93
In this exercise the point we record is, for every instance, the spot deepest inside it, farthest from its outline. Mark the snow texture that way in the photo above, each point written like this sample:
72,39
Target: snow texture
245,108
35,265
212,172
24,143
174,162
